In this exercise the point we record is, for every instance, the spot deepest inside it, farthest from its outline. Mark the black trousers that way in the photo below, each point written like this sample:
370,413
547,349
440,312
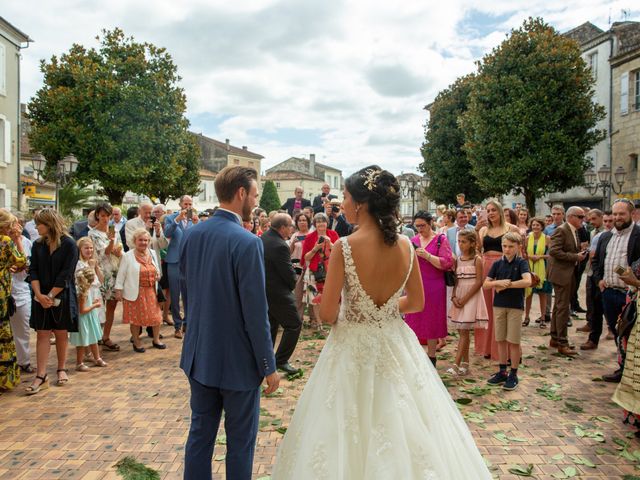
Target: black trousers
285,315
595,312
579,270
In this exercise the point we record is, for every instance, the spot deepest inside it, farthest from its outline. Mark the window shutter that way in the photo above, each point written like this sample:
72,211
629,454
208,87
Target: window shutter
624,93
7,198
3,70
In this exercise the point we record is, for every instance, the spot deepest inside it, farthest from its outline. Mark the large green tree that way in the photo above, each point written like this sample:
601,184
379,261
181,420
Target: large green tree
269,199
531,119
445,161
120,110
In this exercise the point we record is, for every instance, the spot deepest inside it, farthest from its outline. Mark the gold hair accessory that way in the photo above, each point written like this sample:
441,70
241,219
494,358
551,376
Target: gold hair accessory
370,176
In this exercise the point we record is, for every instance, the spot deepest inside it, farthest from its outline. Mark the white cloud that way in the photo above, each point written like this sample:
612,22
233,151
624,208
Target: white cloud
358,72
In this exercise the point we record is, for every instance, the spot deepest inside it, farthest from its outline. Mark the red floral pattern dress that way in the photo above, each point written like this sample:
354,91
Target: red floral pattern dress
145,310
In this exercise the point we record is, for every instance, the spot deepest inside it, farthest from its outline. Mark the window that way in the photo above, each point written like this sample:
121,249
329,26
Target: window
277,184
335,182
636,90
3,70
593,64
633,160
203,192
5,140
624,93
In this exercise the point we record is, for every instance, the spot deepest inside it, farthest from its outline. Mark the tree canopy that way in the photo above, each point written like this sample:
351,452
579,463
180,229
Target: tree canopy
269,199
531,120
445,161
120,111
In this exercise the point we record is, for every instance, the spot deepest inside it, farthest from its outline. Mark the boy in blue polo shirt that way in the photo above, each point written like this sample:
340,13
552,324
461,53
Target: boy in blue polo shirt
509,276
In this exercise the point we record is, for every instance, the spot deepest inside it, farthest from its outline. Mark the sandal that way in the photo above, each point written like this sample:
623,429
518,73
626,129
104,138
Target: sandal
81,367
62,381
463,370
27,368
100,363
454,370
109,345
526,322
33,388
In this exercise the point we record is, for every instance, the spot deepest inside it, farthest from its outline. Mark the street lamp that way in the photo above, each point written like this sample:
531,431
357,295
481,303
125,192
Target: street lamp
602,181
410,185
65,168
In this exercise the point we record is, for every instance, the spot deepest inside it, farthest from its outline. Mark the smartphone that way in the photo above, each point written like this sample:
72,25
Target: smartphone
153,219
301,237
620,270
321,240
190,213
112,229
414,246
482,215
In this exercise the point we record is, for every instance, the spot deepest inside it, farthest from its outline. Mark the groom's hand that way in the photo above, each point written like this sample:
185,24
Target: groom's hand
273,381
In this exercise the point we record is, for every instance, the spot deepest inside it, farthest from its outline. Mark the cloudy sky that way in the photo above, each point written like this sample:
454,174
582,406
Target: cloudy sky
346,80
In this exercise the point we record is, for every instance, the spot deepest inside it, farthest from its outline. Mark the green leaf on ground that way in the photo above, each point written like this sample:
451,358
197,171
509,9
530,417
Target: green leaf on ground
220,458
221,440
464,401
570,472
574,407
281,430
294,376
522,471
558,456
130,469
549,391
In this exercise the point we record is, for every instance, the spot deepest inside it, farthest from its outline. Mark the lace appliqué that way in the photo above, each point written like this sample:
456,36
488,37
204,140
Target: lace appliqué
319,461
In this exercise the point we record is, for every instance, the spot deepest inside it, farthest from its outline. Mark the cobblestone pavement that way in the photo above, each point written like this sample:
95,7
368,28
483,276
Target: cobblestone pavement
559,423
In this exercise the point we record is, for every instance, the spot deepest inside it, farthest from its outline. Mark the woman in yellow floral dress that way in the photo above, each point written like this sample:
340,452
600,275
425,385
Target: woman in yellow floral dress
12,259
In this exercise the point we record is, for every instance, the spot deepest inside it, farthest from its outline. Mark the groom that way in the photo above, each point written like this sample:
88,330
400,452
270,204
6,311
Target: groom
227,349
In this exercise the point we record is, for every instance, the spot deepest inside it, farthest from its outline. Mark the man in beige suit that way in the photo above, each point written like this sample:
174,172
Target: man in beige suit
565,254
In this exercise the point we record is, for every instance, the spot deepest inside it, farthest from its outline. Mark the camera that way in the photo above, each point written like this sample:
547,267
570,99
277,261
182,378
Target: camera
189,213
321,240
153,219
335,209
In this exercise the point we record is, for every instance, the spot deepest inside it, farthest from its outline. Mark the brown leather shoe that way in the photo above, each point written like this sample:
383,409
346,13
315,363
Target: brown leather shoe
553,343
588,345
567,351
585,329
178,334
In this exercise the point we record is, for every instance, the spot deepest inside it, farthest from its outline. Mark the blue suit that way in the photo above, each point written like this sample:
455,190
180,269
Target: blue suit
175,232
227,348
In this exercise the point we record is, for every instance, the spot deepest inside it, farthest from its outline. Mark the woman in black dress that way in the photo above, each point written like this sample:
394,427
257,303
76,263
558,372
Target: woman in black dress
54,308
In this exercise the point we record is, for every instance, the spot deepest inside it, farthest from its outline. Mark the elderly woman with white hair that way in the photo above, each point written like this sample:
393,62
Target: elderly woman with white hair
137,286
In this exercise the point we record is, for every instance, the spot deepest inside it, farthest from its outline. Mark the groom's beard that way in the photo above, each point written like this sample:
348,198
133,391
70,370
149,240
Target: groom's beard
246,211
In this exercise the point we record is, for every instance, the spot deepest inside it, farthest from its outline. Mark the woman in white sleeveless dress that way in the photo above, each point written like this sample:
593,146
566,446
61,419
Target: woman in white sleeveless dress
374,406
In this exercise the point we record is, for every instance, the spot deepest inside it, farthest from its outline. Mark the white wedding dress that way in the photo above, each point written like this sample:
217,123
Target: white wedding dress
374,406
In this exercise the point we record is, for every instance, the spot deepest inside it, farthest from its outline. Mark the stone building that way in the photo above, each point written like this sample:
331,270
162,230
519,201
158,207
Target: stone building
216,155
12,41
625,128
306,173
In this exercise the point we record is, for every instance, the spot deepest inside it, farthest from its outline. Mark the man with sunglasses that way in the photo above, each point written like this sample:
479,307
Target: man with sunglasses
618,248
565,253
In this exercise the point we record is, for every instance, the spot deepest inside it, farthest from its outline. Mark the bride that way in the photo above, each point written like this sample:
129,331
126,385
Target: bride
374,406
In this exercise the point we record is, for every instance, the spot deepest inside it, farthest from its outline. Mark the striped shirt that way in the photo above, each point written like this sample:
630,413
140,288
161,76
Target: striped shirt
616,255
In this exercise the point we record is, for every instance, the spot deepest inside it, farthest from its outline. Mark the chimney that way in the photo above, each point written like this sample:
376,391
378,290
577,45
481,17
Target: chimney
244,147
312,164
226,140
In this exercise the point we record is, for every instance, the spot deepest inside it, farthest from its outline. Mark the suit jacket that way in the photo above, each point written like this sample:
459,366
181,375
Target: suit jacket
79,229
318,202
633,252
280,276
228,342
340,226
174,232
288,205
563,255
452,234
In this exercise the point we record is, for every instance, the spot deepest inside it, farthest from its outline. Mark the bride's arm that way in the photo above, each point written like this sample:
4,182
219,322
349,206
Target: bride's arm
330,304
413,300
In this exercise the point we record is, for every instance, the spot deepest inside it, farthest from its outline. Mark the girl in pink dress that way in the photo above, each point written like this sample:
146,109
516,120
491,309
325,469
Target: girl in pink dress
434,257
468,309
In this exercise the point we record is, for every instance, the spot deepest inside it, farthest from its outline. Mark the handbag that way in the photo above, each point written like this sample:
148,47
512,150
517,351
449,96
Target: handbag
627,318
320,274
449,275
535,280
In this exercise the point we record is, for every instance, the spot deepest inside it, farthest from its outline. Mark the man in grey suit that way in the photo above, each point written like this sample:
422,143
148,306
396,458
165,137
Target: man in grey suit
227,349
462,222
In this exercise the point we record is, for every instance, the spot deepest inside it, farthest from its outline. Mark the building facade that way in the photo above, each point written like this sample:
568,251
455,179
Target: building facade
413,198
12,41
216,155
307,173
625,129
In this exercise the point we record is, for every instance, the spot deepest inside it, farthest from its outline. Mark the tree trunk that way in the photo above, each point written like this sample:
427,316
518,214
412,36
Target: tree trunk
530,199
114,196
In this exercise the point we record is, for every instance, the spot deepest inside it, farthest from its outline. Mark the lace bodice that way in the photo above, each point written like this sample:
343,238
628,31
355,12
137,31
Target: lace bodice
357,306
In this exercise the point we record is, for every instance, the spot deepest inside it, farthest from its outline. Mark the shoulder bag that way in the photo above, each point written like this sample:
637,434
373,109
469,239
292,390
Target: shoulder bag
449,275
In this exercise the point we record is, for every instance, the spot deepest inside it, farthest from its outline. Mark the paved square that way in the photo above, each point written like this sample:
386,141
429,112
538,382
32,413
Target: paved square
559,423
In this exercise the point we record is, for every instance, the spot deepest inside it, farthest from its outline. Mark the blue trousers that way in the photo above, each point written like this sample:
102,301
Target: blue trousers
613,301
173,269
241,410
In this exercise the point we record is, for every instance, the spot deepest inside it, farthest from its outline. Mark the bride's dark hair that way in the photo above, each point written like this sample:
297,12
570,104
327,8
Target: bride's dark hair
380,190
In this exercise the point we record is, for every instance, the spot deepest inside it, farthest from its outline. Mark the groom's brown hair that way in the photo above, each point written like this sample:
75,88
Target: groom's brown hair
231,179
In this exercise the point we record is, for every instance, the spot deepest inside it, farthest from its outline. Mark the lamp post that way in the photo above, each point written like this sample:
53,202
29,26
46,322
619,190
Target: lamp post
410,185
65,168
602,181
